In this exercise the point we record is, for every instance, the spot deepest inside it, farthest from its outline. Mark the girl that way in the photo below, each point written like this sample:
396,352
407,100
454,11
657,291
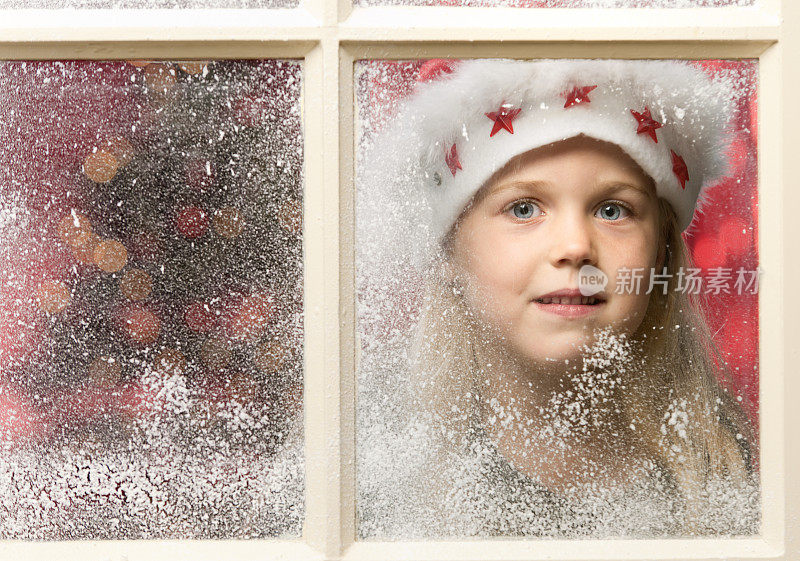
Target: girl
590,408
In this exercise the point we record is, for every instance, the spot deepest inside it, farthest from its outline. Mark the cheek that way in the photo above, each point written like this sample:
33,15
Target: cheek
635,251
627,260
496,273
500,265
630,311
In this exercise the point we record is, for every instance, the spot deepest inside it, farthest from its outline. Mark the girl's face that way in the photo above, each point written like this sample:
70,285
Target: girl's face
532,228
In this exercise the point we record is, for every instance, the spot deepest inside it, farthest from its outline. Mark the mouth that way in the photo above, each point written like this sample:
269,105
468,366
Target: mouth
571,301
569,305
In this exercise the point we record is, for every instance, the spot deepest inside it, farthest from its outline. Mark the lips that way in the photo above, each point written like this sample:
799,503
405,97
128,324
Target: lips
570,297
581,301
569,304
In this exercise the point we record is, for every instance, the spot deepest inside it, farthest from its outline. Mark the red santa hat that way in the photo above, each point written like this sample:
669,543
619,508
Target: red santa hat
466,119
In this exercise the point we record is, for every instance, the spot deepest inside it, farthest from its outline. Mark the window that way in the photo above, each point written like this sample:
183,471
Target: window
498,403
574,4
153,254
330,41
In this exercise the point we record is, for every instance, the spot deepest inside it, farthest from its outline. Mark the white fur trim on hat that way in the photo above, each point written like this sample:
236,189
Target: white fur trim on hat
693,109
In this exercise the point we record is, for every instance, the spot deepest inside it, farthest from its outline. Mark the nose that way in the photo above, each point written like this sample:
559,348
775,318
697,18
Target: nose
573,242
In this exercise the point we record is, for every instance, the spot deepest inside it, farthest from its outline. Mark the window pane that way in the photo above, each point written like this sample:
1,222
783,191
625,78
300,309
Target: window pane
144,4
599,4
151,326
558,335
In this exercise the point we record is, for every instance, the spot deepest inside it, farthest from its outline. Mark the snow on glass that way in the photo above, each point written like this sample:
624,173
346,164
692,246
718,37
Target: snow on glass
144,4
442,453
151,310
597,4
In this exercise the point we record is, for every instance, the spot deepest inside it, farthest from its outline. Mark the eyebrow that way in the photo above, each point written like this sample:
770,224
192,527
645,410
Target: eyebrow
607,187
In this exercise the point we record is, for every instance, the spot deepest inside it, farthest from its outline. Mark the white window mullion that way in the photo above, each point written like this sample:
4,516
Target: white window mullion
383,49
786,115
328,454
347,327
771,238
315,365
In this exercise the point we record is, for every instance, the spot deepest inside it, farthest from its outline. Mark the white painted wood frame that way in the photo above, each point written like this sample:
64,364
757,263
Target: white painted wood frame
329,35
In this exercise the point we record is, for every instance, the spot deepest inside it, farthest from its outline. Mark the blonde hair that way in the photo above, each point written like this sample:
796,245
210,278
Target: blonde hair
681,365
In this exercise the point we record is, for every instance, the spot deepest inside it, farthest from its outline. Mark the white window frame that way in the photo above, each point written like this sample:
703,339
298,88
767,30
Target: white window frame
329,36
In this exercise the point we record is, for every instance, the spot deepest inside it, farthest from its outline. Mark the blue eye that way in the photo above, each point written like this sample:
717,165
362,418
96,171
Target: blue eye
525,210
612,211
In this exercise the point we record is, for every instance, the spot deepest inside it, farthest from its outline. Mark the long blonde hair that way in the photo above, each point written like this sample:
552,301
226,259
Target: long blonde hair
681,365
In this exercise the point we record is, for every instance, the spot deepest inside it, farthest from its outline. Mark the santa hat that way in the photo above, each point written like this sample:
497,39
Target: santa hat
466,120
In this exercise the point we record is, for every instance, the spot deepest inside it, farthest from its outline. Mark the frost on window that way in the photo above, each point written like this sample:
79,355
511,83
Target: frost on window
597,4
144,4
557,299
151,306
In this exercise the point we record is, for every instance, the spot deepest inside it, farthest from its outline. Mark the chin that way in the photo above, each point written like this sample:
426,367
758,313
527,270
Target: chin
557,348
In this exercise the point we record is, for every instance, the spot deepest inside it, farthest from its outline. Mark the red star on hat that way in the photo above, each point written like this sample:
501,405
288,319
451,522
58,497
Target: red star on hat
451,159
646,123
503,118
578,95
679,169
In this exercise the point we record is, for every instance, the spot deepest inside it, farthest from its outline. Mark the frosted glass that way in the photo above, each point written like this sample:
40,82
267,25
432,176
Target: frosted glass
594,4
151,316
487,407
